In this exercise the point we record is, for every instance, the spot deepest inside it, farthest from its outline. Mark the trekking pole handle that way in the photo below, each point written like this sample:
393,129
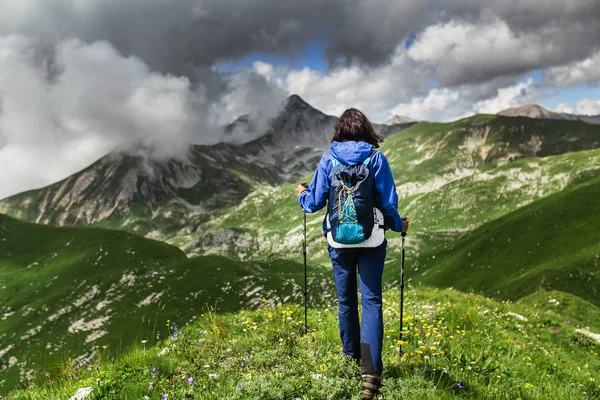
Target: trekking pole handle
403,234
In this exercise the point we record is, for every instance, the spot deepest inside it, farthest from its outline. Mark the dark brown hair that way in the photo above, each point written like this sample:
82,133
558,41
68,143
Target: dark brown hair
354,125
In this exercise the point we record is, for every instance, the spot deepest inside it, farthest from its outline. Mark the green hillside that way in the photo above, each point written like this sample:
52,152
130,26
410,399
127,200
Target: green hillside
451,178
64,290
503,207
457,346
551,244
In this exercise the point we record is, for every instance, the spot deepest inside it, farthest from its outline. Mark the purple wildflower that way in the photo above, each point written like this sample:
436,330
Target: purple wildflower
164,397
72,376
312,339
203,332
461,385
191,380
77,368
242,365
42,373
153,371
91,369
151,384
328,343
239,387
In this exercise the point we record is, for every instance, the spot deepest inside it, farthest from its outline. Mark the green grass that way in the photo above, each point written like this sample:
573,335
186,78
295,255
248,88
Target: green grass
551,244
451,338
64,290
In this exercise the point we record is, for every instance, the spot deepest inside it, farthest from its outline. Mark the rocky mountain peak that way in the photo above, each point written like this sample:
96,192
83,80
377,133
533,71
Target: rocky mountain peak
294,102
398,120
530,111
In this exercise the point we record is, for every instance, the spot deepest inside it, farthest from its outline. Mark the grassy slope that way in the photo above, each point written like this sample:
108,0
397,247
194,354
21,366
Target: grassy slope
552,244
451,338
118,284
441,188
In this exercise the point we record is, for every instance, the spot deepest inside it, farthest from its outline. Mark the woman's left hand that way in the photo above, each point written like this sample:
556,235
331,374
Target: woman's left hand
300,189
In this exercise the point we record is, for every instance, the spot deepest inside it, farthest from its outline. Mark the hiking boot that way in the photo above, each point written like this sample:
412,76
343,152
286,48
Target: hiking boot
370,386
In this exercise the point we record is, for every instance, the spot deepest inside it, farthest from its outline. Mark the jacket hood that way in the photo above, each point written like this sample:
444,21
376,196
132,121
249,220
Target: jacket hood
350,152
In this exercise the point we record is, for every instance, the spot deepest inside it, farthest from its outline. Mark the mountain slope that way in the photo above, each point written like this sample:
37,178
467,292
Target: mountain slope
161,198
130,187
64,290
450,178
548,245
457,346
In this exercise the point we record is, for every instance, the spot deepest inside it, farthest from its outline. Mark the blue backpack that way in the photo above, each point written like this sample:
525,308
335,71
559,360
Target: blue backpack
351,201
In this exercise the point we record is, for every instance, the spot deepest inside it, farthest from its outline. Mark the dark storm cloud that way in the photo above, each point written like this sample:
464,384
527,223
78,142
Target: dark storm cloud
174,36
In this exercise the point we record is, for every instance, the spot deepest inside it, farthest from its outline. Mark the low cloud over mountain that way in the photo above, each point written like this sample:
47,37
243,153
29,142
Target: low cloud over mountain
82,78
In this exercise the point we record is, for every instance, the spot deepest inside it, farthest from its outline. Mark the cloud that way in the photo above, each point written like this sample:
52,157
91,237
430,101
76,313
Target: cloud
459,52
438,105
101,74
582,107
586,71
443,104
176,36
512,96
86,99
374,90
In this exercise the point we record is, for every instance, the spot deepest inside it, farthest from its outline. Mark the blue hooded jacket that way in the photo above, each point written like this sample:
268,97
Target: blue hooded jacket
350,152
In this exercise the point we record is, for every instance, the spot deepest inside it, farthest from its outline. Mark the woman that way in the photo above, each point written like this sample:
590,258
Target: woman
353,142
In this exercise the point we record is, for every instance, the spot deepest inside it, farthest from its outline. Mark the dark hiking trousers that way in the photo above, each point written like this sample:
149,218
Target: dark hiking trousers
364,340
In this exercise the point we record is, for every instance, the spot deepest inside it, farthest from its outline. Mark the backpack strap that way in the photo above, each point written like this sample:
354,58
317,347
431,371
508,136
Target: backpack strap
368,159
334,160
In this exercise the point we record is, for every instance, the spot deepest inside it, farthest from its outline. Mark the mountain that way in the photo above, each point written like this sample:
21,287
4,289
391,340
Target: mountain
163,198
64,290
137,193
499,205
450,178
398,120
539,112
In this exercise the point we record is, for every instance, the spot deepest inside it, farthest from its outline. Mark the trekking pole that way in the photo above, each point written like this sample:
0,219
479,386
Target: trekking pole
304,253
403,234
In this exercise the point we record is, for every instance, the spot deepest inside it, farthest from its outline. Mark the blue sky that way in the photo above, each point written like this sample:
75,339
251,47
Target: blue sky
312,57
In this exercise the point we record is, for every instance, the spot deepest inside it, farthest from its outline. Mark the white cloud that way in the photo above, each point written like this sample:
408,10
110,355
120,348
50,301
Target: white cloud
564,108
444,104
586,71
582,107
373,90
59,114
438,105
512,96
461,52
